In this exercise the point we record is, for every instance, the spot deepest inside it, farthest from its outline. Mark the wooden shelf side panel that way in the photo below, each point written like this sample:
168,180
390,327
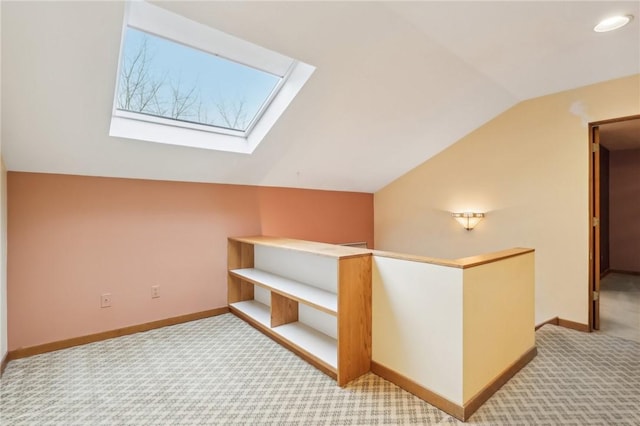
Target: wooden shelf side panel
283,310
239,255
354,318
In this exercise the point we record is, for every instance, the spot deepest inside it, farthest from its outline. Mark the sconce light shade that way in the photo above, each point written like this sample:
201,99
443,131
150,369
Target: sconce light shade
468,220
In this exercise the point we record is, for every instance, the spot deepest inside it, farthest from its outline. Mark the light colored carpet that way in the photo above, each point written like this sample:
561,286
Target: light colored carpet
620,306
220,371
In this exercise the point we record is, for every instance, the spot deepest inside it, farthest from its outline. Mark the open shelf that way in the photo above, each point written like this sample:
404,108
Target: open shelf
254,309
323,347
303,293
305,338
299,315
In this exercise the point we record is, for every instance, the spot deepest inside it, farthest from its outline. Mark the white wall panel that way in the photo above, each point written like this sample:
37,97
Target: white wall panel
417,323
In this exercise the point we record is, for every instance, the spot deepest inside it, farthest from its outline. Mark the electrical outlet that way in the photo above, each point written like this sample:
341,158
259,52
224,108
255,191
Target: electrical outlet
155,291
105,300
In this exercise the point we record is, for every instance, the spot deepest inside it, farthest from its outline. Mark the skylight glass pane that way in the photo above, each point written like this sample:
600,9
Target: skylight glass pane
165,79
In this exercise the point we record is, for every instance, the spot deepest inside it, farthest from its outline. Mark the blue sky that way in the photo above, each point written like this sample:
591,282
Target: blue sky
218,81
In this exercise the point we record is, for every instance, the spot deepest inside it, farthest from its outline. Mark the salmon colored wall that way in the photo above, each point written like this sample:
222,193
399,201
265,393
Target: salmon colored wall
624,204
317,215
72,238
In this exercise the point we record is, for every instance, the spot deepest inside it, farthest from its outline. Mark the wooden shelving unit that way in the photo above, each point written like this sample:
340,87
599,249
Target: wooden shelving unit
297,292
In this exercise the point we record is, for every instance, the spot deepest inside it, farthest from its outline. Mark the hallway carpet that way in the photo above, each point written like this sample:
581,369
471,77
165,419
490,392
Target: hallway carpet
220,371
620,305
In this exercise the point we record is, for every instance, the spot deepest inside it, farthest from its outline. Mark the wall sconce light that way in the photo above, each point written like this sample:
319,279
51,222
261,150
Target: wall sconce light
468,220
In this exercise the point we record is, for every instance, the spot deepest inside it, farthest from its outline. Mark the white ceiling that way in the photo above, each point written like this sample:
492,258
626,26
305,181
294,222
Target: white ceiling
396,82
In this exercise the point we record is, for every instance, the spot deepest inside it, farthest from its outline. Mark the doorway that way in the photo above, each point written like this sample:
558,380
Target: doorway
614,255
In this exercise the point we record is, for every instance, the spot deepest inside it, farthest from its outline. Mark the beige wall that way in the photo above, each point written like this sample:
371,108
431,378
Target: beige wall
528,170
498,326
624,202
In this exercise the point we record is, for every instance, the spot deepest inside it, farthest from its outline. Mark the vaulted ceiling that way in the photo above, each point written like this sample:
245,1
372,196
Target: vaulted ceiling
396,82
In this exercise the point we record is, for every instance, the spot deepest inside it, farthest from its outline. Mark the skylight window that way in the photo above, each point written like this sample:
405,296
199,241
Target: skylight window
161,78
181,82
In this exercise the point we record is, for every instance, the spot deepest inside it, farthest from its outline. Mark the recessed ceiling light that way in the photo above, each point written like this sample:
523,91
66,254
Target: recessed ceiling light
612,23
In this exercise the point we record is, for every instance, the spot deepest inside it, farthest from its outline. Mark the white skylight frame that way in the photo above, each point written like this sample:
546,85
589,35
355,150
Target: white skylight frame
162,23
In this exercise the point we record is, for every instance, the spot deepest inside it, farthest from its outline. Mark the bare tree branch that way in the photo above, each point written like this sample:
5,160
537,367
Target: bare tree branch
182,103
142,90
233,114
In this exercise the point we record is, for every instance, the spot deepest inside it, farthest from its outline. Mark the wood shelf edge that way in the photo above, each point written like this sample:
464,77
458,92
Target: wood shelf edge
461,263
313,247
483,259
345,252
417,258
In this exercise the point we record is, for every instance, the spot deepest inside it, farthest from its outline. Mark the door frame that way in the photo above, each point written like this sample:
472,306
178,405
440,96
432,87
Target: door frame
594,225
594,228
